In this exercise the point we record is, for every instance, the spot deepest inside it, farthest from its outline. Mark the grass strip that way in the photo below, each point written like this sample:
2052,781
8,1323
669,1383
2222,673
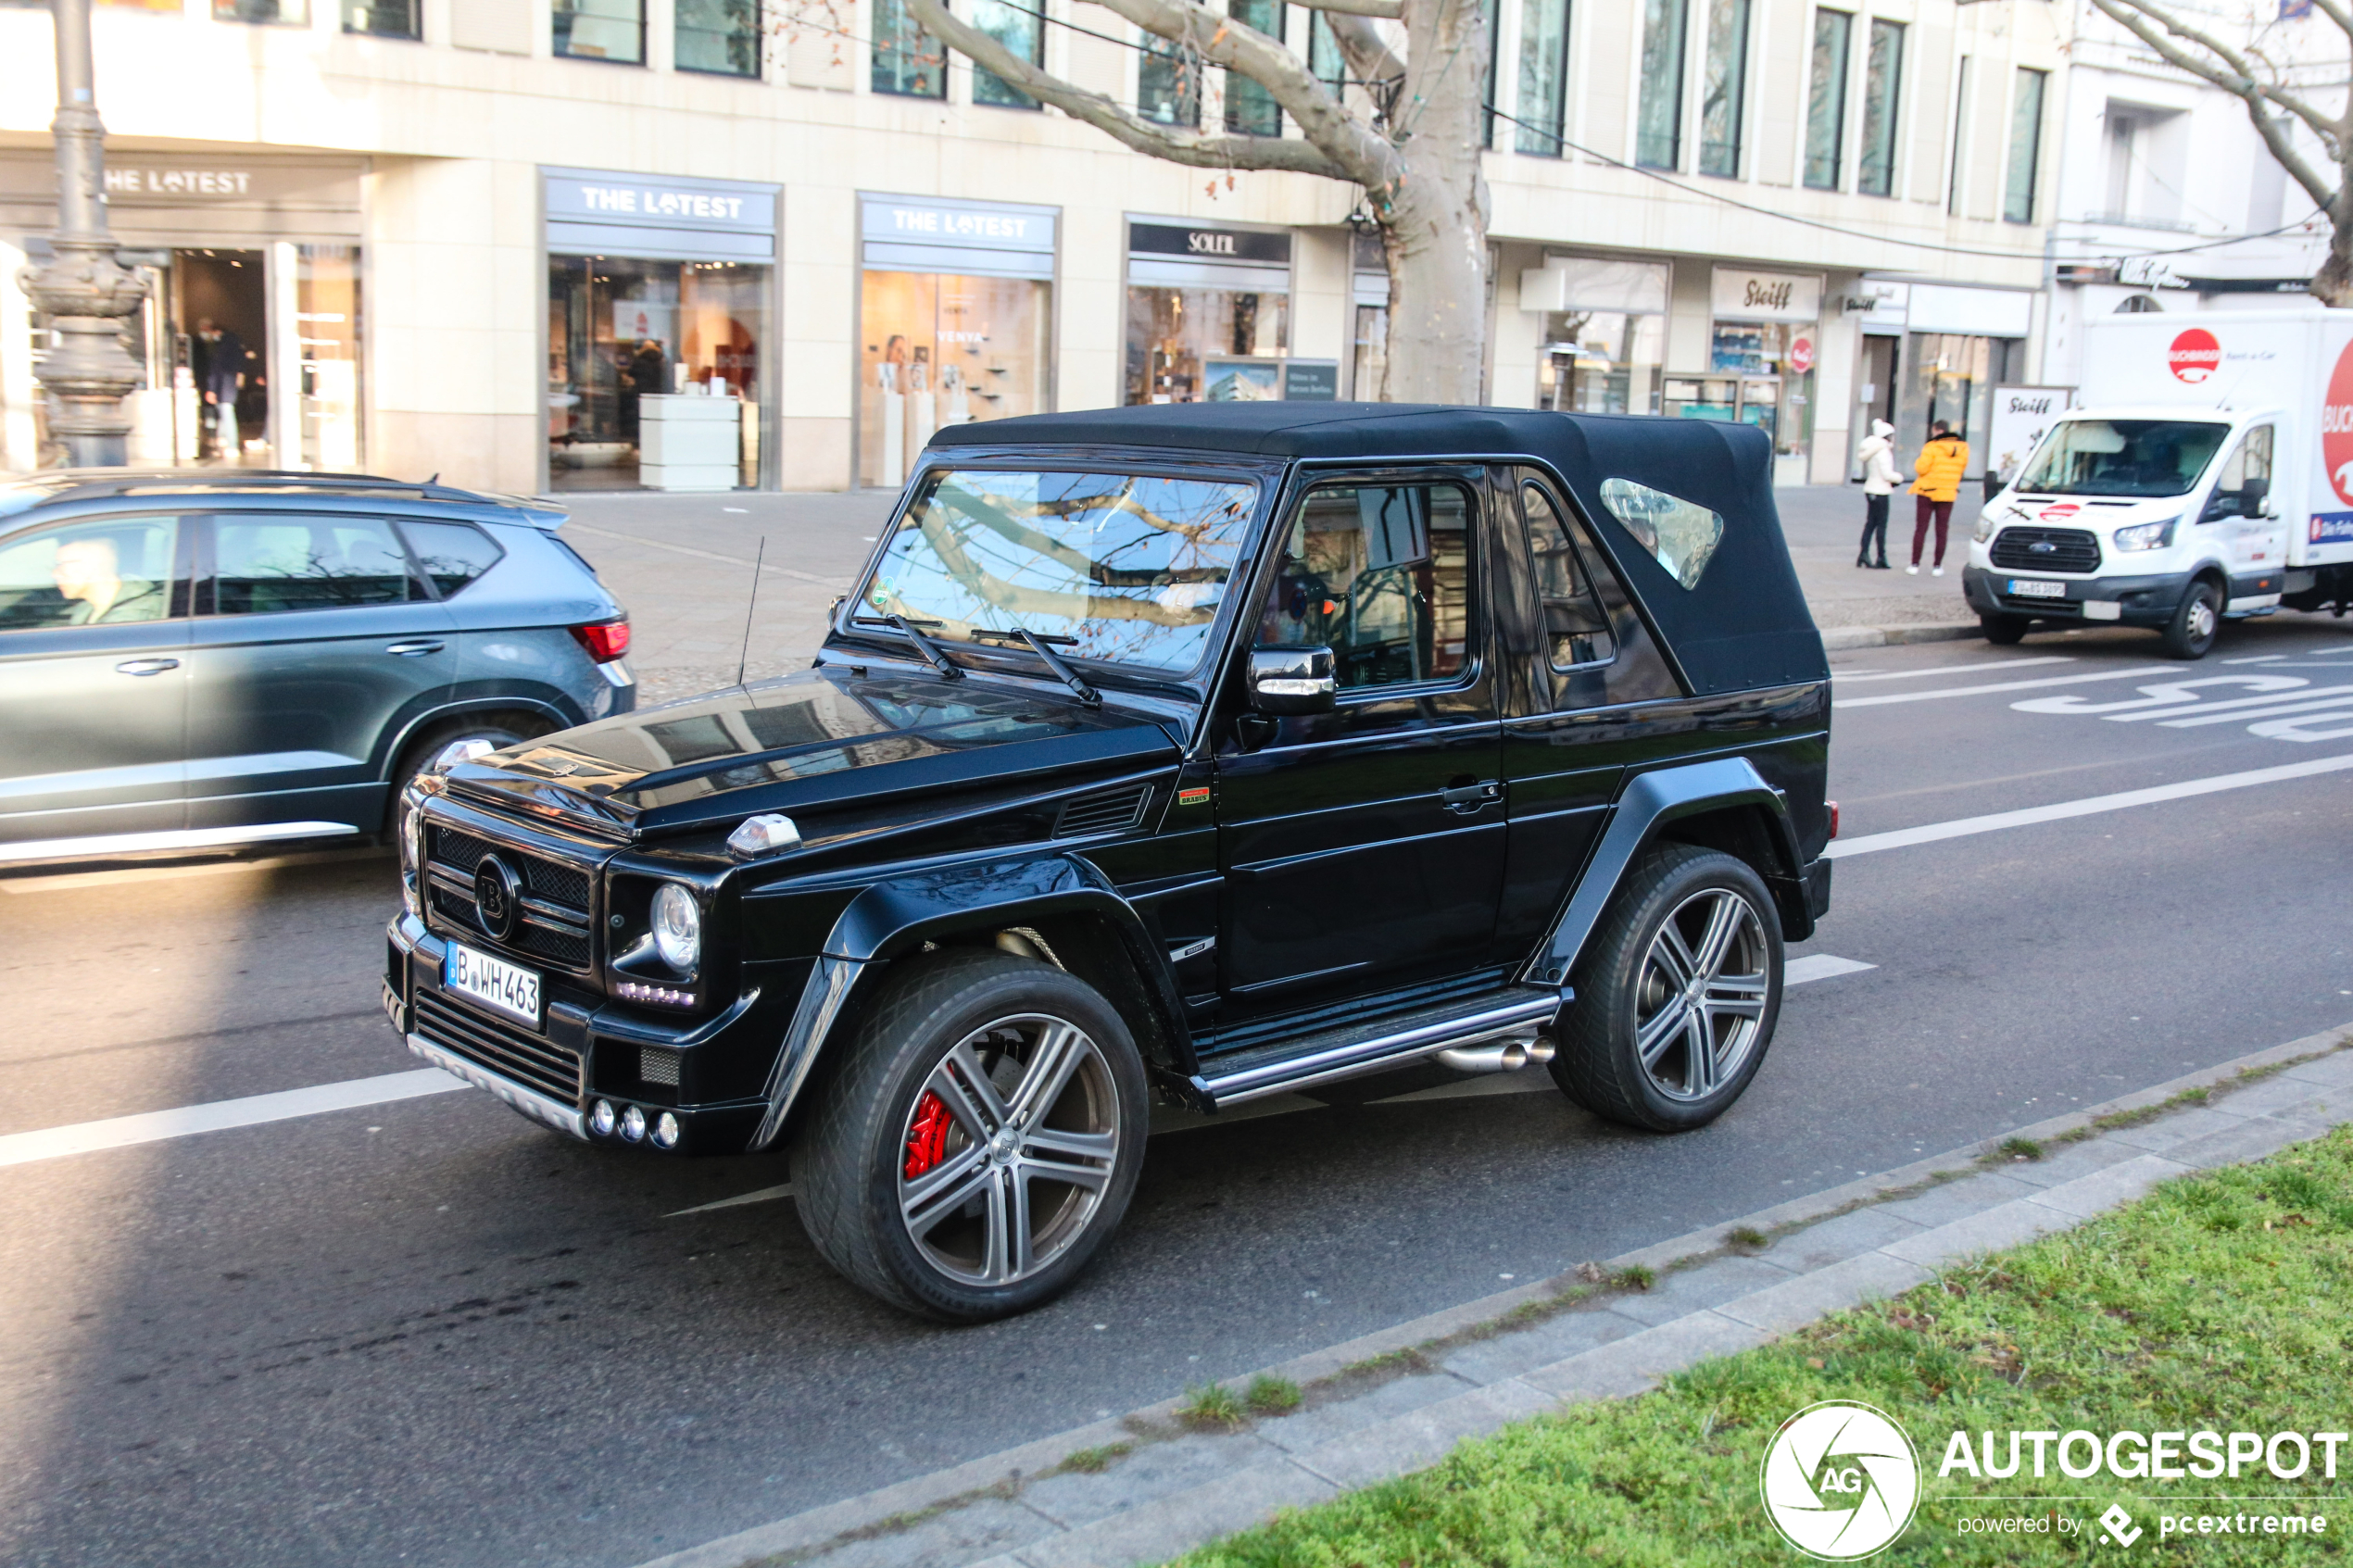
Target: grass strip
2221,1302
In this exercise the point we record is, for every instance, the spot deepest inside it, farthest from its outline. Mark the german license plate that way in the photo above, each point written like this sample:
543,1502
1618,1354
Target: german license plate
495,983
2034,588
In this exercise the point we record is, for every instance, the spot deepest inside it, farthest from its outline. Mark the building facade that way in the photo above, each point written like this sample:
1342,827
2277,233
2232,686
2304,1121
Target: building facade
562,244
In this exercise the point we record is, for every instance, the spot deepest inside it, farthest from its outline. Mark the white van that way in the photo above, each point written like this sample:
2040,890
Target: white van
2207,474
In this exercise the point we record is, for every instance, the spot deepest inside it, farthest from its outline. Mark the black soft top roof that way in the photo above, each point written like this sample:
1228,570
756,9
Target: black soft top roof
1743,626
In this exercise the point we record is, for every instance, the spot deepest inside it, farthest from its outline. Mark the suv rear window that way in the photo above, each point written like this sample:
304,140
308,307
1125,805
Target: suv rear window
452,554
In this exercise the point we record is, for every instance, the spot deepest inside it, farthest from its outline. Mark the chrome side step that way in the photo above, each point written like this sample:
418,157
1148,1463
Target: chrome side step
1515,1020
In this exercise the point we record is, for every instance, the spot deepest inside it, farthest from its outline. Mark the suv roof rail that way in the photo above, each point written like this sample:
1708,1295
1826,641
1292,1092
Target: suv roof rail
113,481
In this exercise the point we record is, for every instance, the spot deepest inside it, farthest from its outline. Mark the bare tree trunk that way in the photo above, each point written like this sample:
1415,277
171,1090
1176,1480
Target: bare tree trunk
1433,216
2332,284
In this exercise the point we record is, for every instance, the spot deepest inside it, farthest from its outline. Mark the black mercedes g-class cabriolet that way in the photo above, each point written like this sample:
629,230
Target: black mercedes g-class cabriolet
1202,752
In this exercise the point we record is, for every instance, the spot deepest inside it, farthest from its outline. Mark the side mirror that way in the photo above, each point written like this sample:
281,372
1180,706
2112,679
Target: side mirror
1292,680
2255,498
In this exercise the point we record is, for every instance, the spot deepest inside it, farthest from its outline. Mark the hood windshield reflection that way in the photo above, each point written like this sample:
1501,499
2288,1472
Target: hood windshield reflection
1130,569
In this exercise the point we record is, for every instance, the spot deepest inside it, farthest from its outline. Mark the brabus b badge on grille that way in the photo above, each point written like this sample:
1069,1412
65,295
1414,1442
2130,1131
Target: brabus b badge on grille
498,896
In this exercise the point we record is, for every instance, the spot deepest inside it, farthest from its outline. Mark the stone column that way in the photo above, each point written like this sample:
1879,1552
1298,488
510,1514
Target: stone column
85,292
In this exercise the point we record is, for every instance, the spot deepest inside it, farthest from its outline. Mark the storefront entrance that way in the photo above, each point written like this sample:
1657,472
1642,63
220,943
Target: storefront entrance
1208,313
1762,347
956,316
659,302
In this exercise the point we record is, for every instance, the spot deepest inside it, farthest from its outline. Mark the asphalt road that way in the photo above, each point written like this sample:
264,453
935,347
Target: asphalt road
427,1331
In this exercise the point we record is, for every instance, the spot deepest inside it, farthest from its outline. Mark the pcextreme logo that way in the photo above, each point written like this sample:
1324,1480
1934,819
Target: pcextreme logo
1840,1480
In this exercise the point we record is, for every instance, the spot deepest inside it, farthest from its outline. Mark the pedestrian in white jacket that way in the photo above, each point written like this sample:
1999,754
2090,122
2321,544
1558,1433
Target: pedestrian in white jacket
1880,480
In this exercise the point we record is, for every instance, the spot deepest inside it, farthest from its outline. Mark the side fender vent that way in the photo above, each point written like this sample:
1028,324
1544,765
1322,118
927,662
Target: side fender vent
1110,811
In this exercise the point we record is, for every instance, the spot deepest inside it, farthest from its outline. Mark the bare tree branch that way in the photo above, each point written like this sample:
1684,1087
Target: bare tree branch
1388,10
1367,53
1175,144
2236,75
1322,119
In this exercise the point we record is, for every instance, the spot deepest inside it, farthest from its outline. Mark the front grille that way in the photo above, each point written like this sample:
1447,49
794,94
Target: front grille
549,880
2047,608
2072,549
530,1059
1109,811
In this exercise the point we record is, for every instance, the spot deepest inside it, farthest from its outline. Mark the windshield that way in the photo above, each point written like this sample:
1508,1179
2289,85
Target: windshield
1125,568
2123,457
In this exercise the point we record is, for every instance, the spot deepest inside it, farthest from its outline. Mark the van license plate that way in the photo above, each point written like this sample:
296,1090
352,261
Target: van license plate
495,983
2030,588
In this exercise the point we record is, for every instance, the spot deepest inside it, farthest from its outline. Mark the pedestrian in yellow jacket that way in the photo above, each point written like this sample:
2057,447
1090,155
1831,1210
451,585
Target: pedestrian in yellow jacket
1939,466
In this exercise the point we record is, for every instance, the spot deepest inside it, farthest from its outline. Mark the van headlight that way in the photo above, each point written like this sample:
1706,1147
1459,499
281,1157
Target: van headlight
1987,521
2146,535
677,927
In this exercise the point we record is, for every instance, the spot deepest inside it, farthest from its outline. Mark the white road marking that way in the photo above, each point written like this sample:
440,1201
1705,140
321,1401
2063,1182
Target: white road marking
1820,966
121,1132
1952,669
2302,702
1931,833
2137,673
765,1194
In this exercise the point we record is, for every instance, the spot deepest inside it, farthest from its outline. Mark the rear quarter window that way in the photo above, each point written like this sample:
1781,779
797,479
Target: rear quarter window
452,554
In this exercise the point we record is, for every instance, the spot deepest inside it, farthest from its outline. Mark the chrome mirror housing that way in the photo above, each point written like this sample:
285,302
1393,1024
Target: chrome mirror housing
1292,680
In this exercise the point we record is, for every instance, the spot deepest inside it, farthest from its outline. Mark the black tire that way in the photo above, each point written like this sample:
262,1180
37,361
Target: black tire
2002,631
1622,989
2196,623
497,728
853,1165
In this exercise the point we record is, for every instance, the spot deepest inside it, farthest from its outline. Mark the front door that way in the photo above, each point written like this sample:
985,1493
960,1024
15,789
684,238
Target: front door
314,637
1363,850
93,688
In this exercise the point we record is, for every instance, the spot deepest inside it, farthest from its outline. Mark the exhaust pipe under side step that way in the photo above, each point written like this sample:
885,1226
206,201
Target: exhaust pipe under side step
1508,1056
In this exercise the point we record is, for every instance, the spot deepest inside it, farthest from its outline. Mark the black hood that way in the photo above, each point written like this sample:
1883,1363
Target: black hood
820,739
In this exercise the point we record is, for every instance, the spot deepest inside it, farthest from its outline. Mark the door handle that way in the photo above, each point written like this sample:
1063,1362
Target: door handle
1471,798
146,666
412,649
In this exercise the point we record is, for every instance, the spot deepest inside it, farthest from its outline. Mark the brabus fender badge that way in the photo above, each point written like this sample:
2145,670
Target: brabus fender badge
1192,796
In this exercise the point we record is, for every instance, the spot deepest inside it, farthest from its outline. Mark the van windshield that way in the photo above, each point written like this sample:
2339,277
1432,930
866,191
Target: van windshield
1126,567
2123,457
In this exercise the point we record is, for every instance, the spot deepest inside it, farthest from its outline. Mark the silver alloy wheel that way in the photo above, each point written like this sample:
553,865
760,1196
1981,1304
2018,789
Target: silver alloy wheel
2202,621
1701,999
1007,1149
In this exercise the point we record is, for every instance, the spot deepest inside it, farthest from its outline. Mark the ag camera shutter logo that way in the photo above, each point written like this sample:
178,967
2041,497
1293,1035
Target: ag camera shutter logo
1841,1481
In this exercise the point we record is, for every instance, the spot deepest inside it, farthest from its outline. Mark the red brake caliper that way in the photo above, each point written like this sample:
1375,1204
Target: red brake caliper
927,1134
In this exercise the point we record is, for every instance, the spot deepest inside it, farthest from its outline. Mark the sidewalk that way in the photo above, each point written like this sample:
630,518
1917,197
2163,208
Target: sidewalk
681,564
1149,1486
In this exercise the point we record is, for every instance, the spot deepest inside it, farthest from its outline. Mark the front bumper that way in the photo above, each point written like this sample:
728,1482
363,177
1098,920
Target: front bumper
2129,601
613,1048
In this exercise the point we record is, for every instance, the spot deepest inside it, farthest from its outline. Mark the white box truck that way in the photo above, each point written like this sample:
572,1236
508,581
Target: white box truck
2206,473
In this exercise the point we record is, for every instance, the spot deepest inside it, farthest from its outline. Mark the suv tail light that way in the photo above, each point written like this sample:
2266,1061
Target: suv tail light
604,640
1833,806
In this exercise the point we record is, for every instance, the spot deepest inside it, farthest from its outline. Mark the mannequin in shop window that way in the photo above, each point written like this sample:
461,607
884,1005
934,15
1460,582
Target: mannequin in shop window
891,374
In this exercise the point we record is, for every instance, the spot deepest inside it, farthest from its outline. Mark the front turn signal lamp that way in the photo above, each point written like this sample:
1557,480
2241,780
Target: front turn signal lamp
763,835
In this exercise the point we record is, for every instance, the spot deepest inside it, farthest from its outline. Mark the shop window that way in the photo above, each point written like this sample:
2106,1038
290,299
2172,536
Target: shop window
1600,361
1724,89
1022,29
2026,146
1658,131
719,36
1763,376
945,350
1826,99
909,62
327,333
622,330
296,13
1168,83
381,18
601,30
1251,110
1544,76
1198,344
1882,71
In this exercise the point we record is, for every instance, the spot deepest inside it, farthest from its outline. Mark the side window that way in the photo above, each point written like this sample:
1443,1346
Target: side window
102,573
265,562
452,554
1379,574
1576,630
2245,479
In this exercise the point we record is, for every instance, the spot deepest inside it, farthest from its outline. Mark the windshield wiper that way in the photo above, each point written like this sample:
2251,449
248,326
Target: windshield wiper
1051,661
948,669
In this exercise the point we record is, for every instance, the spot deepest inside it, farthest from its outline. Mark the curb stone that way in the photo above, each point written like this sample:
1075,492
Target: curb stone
1836,639
1422,1386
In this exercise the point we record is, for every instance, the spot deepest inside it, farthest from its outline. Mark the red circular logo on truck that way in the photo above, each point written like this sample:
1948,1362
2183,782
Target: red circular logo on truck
1801,355
2337,428
2195,355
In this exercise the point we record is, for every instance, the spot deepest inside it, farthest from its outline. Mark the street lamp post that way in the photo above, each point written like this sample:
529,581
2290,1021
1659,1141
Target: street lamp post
83,289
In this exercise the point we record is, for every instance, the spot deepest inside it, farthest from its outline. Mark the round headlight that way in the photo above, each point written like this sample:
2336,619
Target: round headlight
601,1120
677,927
632,1124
